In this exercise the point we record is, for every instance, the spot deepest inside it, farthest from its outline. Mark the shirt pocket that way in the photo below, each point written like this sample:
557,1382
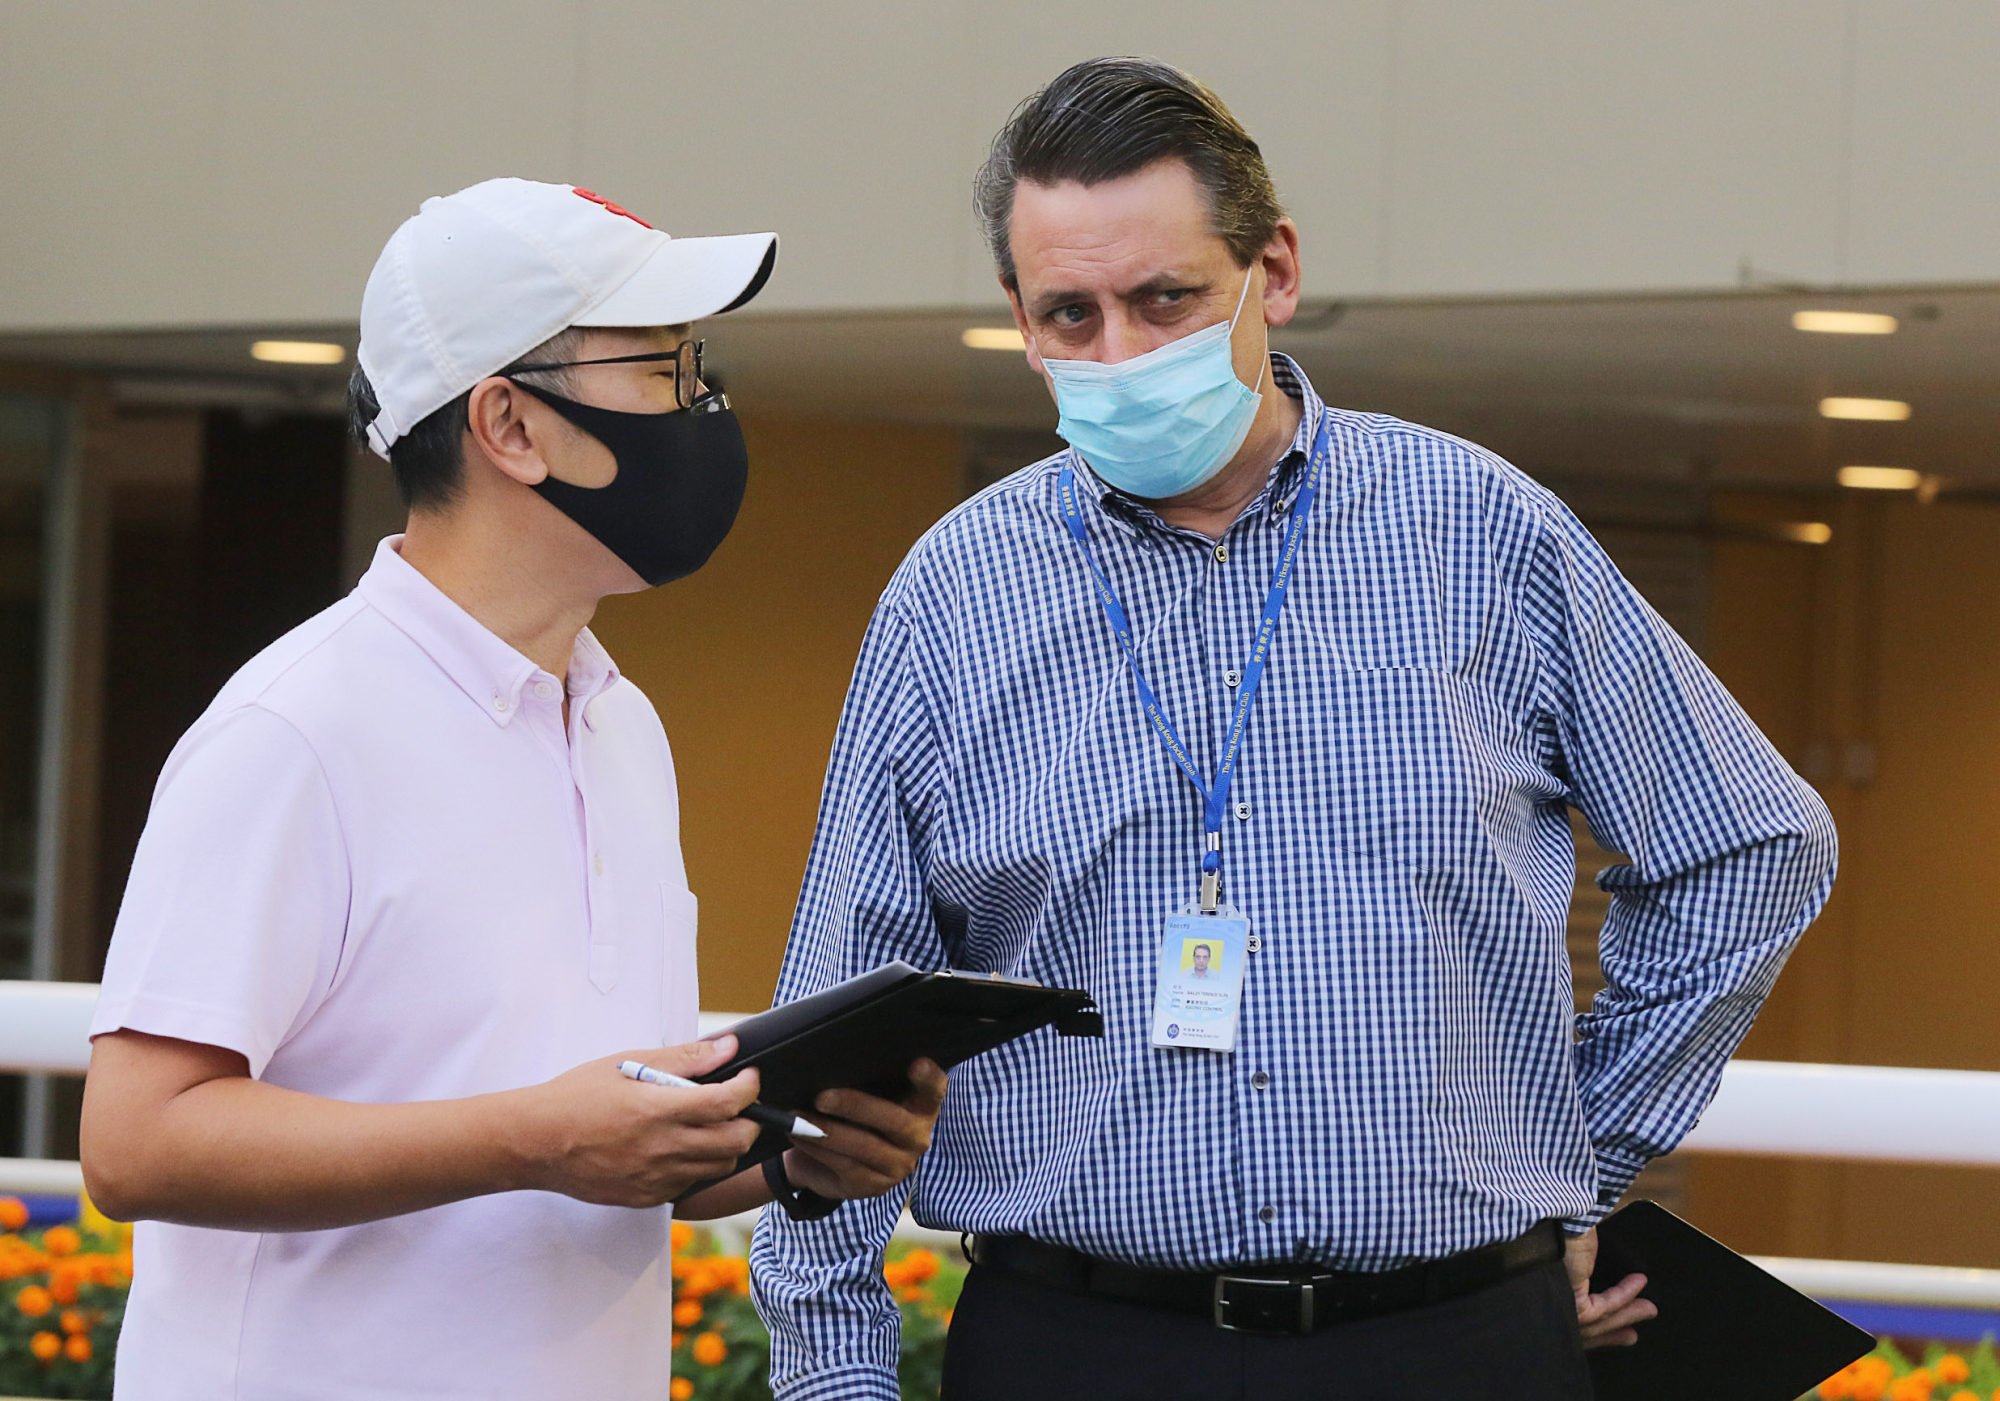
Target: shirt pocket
1415,758
680,985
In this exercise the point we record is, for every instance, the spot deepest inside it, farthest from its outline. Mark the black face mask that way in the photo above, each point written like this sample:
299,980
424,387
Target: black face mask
679,485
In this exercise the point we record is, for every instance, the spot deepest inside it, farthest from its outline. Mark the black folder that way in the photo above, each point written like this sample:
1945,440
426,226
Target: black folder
1727,1330
863,1034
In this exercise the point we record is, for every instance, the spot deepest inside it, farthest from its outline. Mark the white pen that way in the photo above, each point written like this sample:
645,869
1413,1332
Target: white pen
760,1114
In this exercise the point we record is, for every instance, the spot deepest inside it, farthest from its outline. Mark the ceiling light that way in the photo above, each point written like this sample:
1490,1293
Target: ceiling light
1805,532
1844,323
298,352
1876,410
1881,478
992,338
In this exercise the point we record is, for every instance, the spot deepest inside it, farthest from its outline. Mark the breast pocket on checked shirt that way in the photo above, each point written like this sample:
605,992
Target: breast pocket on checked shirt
680,987
1403,782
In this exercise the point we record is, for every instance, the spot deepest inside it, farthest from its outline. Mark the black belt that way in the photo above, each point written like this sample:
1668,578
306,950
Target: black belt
1272,1298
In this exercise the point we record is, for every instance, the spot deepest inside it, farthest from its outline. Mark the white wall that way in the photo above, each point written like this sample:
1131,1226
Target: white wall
224,162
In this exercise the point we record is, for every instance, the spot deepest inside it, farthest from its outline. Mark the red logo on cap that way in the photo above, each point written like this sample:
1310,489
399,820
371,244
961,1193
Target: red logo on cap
596,198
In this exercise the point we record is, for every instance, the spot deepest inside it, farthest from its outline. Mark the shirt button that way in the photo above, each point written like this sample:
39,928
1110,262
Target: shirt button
1222,554
1260,1081
502,704
1243,812
1267,1214
1232,678
545,690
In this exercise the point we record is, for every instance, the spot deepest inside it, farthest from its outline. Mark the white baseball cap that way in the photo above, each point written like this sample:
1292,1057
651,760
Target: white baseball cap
475,280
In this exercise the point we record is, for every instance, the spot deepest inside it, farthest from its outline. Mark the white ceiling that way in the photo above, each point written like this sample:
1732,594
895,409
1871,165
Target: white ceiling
1710,388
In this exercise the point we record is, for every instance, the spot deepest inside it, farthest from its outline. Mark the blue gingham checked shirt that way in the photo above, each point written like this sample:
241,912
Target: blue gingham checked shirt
1458,663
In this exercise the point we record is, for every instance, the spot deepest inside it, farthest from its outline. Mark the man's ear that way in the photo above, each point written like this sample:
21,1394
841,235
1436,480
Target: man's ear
1021,325
1282,286
505,428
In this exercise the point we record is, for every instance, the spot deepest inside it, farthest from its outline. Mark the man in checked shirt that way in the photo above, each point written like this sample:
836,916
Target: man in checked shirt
1317,687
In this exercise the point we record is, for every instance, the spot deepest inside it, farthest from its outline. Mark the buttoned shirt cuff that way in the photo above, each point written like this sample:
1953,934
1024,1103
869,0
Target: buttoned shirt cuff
1615,1175
851,1382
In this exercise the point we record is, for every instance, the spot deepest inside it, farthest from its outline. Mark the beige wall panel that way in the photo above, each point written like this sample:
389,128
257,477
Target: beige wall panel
1309,81
1924,204
111,112
840,126
339,120
1552,145
240,161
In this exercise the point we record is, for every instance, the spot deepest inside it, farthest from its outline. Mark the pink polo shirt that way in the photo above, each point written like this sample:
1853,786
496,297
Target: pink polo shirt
380,869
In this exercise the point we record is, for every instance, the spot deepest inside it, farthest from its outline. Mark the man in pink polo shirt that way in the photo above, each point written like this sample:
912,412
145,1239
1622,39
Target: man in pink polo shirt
412,886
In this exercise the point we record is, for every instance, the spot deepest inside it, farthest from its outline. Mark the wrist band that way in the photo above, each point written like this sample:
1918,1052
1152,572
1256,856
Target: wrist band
799,1203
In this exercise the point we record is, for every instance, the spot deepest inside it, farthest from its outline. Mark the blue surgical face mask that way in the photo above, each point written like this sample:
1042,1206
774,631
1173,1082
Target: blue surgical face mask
1160,424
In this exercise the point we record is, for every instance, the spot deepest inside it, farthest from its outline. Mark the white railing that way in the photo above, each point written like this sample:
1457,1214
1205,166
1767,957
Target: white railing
45,1027
1877,1113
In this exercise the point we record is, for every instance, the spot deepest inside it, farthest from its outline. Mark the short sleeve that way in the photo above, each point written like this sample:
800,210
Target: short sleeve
235,912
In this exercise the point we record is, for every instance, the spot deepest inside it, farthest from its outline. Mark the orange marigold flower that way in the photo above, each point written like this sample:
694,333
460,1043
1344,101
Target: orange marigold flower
681,1235
709,1349
910,1294
680,1389
1965,1394
1914,1387
678,1338
75,1321
34,1301
45,1346
1953,1369
1837,1387
13,1213
922,1265
64,1287
77,1348
61,1240
687,1313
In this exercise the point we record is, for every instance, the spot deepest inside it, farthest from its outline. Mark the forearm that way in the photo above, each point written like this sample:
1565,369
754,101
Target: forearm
743,1192
1652,1052
243,1155
835,1327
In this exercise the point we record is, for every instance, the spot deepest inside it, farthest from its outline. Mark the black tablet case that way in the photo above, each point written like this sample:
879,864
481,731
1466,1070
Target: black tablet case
1727,1330
863,1033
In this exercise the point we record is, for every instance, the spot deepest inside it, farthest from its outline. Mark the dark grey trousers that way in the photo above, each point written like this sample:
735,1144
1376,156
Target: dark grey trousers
1017,1340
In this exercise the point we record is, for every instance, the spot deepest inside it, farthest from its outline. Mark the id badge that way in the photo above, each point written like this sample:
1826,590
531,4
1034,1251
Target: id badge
1200,988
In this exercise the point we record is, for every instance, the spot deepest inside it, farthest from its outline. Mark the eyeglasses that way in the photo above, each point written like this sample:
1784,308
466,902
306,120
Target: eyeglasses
687,369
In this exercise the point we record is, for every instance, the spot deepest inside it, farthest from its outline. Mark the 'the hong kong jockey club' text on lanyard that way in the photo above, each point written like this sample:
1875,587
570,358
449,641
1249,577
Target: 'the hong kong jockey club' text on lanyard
1215,795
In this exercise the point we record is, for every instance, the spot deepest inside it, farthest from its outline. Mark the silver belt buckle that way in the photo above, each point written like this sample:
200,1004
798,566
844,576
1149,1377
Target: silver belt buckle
1223,1304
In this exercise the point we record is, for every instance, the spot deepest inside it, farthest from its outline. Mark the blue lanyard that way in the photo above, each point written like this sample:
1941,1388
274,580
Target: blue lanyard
1215,795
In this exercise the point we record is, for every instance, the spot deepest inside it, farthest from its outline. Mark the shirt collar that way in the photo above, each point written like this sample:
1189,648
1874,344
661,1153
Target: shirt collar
1280,488
490,672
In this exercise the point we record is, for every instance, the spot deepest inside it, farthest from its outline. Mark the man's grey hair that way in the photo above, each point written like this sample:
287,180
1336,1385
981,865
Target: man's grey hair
1108,117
